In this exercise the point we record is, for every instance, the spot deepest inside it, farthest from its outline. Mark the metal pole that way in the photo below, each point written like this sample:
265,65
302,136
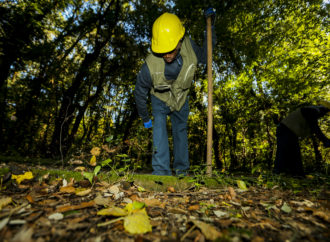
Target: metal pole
210,98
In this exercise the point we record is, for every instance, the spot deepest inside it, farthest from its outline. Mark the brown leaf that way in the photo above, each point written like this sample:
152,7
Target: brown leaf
258,239
76,162
193,207
34,216
323,215
65,208
224,223
24,234
83,192
177,211
5,201
80,168
209,231
68,189
96,151
171,189
29,198
106,148
103,201
306,229
152,202
232,192
49,202
135,197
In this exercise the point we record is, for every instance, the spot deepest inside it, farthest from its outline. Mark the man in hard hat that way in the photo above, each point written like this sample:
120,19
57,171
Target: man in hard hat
301,123
168,74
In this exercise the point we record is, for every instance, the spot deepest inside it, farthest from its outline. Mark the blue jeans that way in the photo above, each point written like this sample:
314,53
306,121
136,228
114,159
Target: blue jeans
161,153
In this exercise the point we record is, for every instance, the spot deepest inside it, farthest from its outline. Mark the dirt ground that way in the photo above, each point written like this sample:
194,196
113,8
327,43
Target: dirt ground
47,208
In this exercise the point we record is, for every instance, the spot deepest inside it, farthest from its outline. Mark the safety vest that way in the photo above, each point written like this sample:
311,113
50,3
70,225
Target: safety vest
173,92
296,122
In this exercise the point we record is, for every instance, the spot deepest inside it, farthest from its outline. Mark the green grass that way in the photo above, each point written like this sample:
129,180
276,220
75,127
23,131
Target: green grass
161,183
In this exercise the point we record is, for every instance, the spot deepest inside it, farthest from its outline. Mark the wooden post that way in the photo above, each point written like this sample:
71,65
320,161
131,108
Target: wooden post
210,98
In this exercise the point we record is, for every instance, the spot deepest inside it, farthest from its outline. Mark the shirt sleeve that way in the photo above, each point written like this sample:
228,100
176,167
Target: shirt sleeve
141,92
312,114
201,52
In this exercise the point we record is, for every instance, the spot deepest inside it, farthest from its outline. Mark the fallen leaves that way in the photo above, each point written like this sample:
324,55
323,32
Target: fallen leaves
137,223
286,208
95,151
136,219
241,185
82,205
5,201
113,211
209,231
57,210
67,189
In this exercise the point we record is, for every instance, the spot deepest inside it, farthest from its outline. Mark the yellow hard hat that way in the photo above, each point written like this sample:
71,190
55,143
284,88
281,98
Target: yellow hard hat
167,31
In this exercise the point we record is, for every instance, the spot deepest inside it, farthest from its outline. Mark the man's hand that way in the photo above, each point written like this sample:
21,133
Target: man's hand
210,12
148,124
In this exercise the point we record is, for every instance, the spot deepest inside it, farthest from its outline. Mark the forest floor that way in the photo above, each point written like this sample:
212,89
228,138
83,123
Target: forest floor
51,206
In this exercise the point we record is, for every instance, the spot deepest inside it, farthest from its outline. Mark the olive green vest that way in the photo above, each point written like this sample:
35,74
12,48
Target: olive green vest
173,92
296,122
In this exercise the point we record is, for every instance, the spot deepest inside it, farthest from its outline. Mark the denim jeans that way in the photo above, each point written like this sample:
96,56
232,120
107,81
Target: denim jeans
161,153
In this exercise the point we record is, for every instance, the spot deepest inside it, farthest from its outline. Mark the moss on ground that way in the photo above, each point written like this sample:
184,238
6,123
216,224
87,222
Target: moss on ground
145,181
162,183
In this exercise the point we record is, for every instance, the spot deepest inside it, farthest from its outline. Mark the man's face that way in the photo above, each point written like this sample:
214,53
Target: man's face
170,56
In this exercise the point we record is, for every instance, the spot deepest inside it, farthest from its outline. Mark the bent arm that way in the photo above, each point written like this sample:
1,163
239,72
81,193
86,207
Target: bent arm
141,92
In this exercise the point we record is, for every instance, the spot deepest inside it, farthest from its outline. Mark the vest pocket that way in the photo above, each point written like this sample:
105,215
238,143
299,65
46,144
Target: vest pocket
188,77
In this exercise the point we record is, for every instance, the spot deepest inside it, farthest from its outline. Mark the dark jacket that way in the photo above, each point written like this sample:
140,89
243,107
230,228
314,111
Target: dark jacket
304,121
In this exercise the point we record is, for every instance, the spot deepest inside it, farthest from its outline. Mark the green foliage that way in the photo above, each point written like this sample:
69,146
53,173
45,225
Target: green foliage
90,175
68,70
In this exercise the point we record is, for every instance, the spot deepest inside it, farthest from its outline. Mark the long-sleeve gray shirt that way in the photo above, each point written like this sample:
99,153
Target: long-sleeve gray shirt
172,70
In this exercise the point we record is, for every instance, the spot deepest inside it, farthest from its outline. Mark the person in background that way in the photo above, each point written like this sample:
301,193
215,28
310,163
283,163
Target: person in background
167,74
301,123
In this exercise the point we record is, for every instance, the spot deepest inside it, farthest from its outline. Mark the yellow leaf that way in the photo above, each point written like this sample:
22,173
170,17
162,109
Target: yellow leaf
92,162
311,177
113,211
5,201
80,168
83,192
141,189
286,208
241,185
137,223
96,151
19,178
135,206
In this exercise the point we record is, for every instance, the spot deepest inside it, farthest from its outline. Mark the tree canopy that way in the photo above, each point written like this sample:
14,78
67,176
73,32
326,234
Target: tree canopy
68,70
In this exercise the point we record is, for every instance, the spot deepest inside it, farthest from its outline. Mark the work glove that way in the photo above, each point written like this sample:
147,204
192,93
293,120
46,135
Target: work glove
210,12
148,124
